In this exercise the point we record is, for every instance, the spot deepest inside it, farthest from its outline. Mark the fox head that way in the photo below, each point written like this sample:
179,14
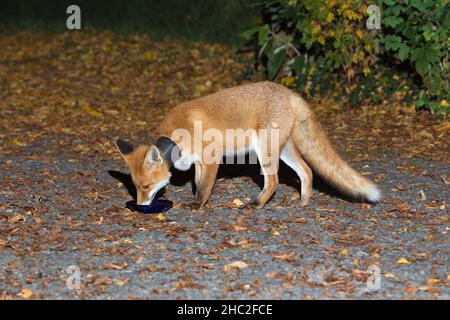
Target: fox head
148,169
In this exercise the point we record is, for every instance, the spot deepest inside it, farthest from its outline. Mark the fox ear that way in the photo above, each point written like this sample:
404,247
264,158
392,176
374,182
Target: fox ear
124,147
153,156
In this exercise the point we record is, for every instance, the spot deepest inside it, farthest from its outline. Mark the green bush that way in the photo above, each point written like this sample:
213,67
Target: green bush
314,44
418,32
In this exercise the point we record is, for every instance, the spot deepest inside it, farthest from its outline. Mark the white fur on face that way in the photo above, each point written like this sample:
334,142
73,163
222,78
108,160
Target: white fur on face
154,191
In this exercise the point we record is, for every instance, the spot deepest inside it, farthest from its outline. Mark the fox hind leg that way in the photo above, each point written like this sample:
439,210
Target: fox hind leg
267,162
291,156
198,176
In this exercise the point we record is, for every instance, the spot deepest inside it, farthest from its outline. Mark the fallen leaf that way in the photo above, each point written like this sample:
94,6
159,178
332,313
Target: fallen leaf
300,220
283,256
139,260
17,218
26,293
402,261
277,275
433,281
113,266
120,282
295,196
235,265
160,217
423,197
411,290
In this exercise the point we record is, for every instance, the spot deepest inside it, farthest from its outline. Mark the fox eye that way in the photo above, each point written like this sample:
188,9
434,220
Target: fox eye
146,187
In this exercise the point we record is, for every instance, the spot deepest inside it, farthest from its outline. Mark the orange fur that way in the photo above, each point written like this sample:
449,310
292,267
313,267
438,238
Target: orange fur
265,105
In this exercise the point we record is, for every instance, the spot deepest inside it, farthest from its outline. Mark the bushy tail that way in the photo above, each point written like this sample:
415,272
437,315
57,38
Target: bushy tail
316,149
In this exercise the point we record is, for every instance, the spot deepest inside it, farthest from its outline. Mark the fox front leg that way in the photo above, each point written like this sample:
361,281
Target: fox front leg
205,176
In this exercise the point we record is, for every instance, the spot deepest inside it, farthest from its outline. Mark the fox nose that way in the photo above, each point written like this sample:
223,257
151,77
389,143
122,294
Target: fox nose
143,199
143,203
140,199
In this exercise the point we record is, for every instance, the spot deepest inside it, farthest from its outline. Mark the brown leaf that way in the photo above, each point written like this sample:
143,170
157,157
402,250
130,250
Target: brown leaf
112,266
235,265
287,256
300,220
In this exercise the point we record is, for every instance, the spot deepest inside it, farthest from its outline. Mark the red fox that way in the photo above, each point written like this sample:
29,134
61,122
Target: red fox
299,141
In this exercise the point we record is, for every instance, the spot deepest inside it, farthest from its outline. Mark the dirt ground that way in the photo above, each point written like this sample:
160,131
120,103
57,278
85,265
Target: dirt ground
64,98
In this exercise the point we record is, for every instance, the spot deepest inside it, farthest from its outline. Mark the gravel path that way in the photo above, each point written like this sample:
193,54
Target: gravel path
64,210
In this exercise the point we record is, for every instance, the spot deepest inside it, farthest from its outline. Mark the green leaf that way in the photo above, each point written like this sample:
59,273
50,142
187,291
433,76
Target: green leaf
417,53
403,52
248,33
422,66
431,55
409,32
297,64
434,82
422,99
418,4
392,42
275,60
262,35
392,21
445,19
395,10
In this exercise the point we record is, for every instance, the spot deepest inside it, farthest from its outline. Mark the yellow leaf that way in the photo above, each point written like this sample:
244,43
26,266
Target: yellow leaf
86,108
402,261
18,143
433,281
120,282
195,53
359,34
444,126
238,202
329,17
150,55
321,40
288,81
140,123
344,252
26,293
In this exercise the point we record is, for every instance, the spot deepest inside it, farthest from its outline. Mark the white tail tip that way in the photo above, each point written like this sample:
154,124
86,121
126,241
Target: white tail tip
373,194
